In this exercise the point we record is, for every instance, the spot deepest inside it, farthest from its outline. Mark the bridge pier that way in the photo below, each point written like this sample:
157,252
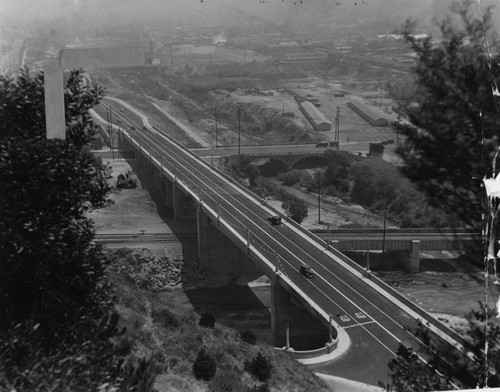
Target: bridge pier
224,262
411,257
305,331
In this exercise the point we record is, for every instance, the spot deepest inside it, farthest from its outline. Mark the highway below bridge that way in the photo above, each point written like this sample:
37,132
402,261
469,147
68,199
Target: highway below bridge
236,243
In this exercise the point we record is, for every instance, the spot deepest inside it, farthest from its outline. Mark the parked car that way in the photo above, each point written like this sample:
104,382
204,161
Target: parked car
307,271
275,220
322,144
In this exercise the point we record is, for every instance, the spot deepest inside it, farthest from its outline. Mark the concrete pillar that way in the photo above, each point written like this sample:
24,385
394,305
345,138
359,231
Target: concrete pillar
223,262
156,176
305,332
414,256
169,194
177,197
54,99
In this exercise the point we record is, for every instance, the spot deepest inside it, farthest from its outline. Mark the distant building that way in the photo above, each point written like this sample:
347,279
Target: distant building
304,56
315,117
369,115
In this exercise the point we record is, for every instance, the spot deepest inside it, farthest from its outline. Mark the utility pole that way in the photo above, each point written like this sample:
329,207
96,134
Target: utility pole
216,127
337,128
239,130
111,133
319,197
383,236
397,128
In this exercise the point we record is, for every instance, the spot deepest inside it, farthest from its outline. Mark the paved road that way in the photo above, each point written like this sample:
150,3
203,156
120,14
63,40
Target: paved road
375,324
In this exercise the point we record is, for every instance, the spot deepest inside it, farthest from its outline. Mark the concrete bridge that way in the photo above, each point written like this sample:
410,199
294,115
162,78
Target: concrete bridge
287,156
229,252
404,244
236,243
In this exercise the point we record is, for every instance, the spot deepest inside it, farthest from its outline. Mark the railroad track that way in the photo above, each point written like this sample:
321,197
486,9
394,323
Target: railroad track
146,238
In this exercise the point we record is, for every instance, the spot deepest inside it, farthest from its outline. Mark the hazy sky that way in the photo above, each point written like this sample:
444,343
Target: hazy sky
216,10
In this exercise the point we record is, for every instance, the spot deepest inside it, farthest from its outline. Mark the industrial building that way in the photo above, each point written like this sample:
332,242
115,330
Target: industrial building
315,117
369,115
306,56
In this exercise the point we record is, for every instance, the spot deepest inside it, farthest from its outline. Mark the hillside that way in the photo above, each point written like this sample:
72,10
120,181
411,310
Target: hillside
163,326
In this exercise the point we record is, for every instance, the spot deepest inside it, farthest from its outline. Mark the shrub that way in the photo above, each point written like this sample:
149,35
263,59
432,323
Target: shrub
261,388
226,381
207,320
260,367
166,318
290,178
296,208
204,366
248,337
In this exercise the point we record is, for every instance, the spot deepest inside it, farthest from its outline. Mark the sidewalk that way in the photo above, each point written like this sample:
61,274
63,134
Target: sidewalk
339,384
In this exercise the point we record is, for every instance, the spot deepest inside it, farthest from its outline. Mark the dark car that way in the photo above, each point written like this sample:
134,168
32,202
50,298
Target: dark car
275,220
307,271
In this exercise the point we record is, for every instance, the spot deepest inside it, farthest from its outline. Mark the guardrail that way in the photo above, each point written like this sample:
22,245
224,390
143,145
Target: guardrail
442,231
328,348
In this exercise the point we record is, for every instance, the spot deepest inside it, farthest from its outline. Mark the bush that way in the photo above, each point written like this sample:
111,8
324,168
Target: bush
166,318
204,367
207,320
248,337
260,367
296,208
226,381
261,388
290,178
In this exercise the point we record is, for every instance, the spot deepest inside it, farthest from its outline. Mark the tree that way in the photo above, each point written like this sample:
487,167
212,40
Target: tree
260,367
408,373
457,82
296,208
57,322
204,366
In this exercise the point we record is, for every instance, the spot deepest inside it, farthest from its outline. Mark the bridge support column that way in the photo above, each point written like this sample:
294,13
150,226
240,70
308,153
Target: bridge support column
224,262
413,262
305,332
176,196
409,258
156,175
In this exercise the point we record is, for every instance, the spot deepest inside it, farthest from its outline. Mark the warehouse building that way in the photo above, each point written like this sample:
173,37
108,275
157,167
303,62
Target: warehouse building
315,117
369,115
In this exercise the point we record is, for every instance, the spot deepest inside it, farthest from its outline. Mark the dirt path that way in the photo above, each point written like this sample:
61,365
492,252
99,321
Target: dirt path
134,110
192,133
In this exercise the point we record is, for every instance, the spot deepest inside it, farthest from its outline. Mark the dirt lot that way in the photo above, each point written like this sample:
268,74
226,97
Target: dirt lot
353,128
138,87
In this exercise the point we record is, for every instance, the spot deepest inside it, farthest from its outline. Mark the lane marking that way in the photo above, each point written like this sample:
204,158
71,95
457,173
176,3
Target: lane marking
360,325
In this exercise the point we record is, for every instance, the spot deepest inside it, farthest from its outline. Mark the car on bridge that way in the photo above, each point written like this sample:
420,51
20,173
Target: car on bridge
275,220
307,271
